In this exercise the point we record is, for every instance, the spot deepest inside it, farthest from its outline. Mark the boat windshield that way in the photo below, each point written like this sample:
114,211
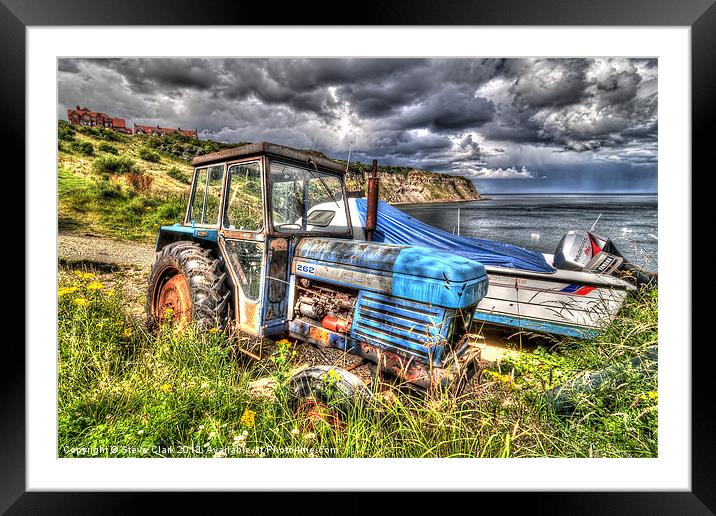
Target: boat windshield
307,200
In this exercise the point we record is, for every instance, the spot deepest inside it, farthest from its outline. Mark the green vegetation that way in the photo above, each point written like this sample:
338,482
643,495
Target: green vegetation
65,131
180,176
113,165
149,155
108,148
102,133
184,147
83,147
127,212
190,394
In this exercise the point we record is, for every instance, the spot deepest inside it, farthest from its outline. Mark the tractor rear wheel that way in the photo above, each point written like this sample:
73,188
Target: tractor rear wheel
187,284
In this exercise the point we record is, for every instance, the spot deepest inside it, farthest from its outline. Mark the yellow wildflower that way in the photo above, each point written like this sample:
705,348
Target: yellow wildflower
504,378
165,387
66,290
248,418
653,395
84,275
95,285
214,331
80,301
127,333
109,292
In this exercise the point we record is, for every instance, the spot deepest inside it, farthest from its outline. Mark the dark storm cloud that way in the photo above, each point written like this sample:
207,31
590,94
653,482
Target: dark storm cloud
455,115
452,108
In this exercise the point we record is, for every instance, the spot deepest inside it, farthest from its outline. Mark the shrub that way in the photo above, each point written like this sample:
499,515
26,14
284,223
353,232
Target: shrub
140,182
177,174
109,164
83,147
108,147
66,131
148,155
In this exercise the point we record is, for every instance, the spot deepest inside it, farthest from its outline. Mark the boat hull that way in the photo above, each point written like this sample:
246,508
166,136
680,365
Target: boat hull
569,303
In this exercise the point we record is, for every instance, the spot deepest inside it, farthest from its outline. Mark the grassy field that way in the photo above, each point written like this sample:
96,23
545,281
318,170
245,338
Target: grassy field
124,393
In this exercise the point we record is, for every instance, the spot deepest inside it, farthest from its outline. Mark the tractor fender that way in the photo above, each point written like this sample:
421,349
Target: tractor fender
169,234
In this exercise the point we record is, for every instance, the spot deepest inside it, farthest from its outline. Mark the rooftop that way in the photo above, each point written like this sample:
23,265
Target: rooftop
266,148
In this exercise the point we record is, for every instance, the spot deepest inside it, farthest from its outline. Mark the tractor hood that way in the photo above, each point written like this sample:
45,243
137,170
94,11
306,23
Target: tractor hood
410,272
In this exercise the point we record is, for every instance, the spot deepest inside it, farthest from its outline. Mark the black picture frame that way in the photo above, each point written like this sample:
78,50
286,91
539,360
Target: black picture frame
699,15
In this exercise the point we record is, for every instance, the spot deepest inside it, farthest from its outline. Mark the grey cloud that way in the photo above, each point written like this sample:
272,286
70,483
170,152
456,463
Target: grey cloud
429,113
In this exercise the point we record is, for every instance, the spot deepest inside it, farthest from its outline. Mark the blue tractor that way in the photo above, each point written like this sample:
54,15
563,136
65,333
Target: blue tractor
266,246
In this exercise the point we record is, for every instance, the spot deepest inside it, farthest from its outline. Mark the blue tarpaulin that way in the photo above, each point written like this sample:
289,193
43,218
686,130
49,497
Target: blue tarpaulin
397,227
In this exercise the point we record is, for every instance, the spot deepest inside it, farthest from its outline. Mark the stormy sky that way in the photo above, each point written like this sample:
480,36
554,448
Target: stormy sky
511,125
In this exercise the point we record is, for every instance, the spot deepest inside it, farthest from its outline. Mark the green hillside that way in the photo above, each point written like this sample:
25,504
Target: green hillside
127,186
123,186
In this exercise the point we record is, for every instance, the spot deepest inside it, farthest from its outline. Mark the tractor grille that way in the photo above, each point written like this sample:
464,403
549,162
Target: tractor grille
393,323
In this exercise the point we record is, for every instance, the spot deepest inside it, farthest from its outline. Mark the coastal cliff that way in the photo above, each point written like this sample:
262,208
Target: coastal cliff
404,185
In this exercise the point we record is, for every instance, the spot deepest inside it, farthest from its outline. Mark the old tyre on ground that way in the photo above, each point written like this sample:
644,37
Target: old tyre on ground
324,385
187,284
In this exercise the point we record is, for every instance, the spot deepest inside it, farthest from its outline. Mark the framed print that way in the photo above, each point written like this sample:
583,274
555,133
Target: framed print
210,183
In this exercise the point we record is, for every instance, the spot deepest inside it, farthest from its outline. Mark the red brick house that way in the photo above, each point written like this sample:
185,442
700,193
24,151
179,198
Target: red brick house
84,116
119,125
161,131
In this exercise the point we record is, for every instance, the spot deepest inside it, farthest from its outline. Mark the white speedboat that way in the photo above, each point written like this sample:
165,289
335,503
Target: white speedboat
576,291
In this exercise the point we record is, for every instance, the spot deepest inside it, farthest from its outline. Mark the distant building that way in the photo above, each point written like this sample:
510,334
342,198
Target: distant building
84,116
119,125
161,131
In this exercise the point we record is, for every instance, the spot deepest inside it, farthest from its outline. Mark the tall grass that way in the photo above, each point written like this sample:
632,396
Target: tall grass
123,392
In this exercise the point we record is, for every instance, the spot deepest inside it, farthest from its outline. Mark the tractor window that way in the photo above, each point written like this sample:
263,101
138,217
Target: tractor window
197,204
244,201
207,192
307,200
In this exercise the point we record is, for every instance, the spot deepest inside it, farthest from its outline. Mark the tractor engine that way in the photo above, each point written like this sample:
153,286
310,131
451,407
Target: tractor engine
325,305
409,308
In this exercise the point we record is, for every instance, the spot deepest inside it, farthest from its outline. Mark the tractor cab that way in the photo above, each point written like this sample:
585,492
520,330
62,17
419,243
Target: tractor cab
267,246
252,204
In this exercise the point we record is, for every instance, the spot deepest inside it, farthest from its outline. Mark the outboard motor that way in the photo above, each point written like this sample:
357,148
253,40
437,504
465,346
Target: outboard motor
590,252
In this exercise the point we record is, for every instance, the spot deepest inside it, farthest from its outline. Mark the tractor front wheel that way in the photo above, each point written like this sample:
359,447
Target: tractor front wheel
187,284
318,387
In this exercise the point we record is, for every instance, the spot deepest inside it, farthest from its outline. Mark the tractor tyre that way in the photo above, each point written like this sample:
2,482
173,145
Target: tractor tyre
327,385
187,284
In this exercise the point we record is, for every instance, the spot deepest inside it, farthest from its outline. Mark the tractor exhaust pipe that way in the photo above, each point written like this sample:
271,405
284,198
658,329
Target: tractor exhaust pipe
371,217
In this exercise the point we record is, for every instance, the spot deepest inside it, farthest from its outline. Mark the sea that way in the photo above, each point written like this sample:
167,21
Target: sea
538,221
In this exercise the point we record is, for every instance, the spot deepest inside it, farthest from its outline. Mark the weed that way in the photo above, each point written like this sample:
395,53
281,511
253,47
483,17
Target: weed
141,183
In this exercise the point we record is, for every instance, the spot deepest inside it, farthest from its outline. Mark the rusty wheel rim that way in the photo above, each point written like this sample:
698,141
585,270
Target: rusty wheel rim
173,303
313,414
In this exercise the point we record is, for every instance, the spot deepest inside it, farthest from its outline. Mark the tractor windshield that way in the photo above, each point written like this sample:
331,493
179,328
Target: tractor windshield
307,200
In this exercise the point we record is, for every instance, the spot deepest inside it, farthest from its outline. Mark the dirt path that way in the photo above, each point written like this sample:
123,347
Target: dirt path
103,252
